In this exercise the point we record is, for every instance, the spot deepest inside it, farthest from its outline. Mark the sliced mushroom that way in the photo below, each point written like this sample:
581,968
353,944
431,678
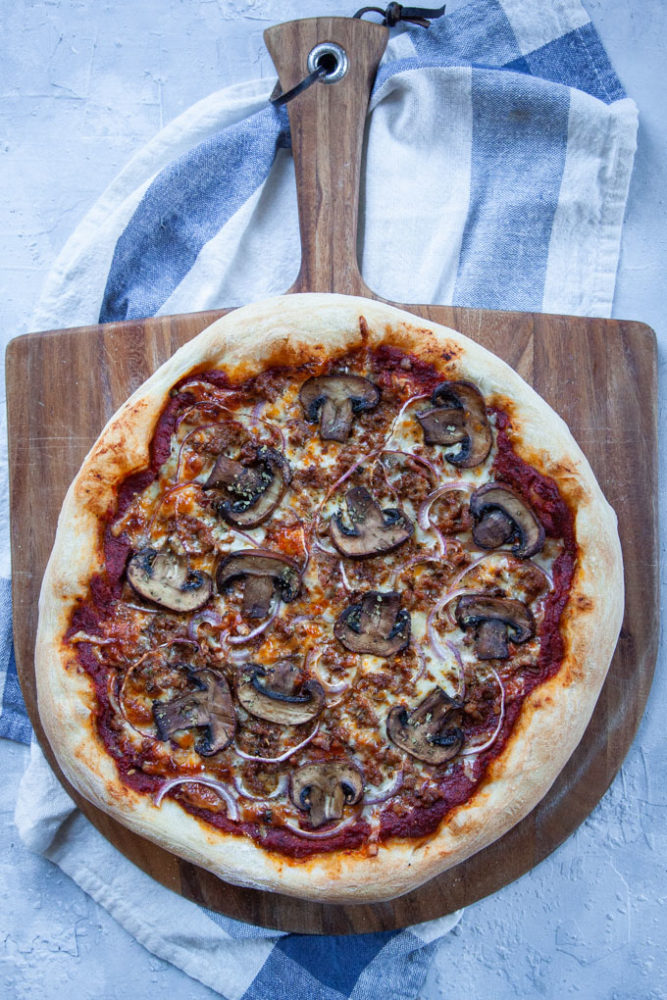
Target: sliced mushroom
430,732
377,625
458,417
265,573
502,516
252,491
334,399
287,703
210,706
442,425
496,620
372,530
166,579
325,789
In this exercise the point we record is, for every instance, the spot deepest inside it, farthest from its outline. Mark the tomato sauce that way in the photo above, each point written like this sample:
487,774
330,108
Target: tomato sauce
454,782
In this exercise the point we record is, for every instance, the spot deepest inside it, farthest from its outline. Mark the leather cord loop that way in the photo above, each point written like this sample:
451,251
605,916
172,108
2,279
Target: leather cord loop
395,12
279,99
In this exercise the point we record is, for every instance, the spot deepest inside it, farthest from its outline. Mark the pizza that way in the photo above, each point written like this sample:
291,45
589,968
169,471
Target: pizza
330,603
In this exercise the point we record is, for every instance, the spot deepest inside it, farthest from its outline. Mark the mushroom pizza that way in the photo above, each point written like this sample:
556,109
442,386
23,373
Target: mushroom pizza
330,603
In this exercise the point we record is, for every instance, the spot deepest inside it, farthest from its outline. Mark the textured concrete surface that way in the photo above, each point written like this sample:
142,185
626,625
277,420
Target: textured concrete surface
84,86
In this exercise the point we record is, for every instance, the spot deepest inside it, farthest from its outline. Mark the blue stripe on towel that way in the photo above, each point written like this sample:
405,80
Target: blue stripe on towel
578,60
184,208
477,33
519,140
283,978
359,967
14,723
335,962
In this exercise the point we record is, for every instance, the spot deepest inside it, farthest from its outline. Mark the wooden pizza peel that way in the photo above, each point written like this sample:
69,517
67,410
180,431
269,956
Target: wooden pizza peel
599,374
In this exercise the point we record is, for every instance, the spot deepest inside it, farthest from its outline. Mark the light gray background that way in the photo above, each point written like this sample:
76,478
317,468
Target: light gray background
83,87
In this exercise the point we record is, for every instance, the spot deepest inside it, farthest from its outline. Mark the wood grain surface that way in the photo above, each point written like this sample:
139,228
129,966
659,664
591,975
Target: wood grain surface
600,375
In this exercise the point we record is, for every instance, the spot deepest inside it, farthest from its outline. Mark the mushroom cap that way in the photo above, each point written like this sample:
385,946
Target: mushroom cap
165,579
377,625
373,530
501,515
431,731
253,491
324,789
458,417
334,399
265,572
442,425
496,620
257,695
210,705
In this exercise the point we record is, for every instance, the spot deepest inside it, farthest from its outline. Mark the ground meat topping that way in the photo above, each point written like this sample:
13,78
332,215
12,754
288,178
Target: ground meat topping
141,655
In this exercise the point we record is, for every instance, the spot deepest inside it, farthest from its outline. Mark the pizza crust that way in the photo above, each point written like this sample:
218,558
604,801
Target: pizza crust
286,331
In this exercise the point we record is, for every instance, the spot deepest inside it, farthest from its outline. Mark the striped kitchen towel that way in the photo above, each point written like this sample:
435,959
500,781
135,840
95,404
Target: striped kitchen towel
506,141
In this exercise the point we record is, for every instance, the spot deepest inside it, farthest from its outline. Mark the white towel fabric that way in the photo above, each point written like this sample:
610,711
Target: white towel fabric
507,142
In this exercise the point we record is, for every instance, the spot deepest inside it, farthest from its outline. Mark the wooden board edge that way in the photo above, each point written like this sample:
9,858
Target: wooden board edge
639,329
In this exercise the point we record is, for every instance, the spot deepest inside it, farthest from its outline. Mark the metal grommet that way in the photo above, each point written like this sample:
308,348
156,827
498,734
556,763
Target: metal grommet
330,57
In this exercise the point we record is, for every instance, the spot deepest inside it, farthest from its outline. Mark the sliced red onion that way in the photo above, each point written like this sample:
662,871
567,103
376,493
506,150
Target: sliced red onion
201,405
217,786
235,656
437,647
320,834
547,576
445,602
330,552
442,543
118,707
501,555
434,642
306,549
388,793
385,475
207,387
243,534
492,740
283,756
452,486
195,430
238,640
343,575
459,663
256,410
421,658
300,620
209,616
346,475
111,694
276,432
138,607
432,472
94,640
334,689
412,399
280,789
339,482
192,484
329,688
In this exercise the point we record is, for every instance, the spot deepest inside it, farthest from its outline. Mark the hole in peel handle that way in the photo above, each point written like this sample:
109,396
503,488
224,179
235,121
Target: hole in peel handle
331,58
327,126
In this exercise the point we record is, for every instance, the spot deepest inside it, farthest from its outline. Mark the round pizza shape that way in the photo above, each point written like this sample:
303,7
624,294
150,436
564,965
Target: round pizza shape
330,603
